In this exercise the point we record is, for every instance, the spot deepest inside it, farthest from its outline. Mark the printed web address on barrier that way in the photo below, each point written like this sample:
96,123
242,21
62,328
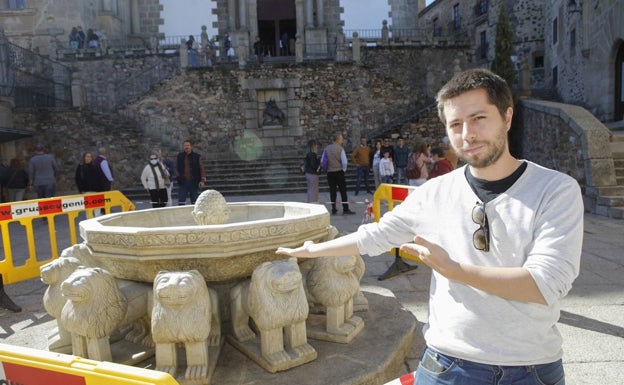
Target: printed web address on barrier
53,206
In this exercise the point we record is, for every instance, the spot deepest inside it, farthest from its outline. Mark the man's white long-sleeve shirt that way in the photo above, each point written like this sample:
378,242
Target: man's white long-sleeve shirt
536,224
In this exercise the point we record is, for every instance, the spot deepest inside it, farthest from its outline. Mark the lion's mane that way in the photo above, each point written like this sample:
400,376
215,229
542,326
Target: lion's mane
53,274
276,294
95,306
182,307
332,281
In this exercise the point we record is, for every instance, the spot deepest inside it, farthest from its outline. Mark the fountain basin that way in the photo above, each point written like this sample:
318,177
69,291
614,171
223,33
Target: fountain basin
137,245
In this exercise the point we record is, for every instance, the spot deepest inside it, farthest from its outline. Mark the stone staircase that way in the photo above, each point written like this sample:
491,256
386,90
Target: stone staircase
611,200
234,177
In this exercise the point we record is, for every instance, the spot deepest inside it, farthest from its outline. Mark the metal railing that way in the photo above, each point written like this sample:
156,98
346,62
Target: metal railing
33,80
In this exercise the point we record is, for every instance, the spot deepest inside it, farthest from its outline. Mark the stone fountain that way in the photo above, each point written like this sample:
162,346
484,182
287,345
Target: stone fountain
155,257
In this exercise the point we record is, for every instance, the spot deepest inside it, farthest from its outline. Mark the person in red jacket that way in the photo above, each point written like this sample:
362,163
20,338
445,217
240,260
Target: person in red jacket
441,165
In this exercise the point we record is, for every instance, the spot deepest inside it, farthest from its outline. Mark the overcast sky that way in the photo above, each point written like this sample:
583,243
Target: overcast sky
185,17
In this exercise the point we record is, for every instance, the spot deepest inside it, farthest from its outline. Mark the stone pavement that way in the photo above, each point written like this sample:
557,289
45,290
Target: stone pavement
592,315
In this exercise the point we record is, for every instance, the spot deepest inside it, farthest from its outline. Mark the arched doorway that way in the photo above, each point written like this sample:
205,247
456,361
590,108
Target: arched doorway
619,84
276,19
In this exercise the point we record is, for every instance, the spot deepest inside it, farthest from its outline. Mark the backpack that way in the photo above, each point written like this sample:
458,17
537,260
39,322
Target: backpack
412,171
324,162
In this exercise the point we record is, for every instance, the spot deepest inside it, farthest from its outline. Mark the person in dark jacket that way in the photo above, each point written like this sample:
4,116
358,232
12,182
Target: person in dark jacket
191,174
87,175
312,171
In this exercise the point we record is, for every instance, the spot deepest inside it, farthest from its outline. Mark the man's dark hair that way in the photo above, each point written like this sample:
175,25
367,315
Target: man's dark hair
497,90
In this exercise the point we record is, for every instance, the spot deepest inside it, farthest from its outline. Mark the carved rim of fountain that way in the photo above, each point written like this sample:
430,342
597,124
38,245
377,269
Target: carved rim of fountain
136,244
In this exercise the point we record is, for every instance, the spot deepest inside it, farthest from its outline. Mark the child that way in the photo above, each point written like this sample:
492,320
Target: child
386,168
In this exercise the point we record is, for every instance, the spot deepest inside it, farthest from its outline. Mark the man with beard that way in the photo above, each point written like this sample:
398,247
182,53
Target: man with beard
503,237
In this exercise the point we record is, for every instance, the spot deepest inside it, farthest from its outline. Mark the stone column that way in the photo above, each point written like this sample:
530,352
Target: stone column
134,14
299,48
299,11
242,14
320,13
356,48
384,32
184,62
309,14
231,4
252,15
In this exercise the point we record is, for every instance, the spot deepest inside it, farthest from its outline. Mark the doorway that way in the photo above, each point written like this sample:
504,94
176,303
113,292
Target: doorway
277,26
619,84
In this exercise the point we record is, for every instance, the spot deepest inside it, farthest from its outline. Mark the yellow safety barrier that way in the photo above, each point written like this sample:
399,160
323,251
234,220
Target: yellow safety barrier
19,232
26,366
392,193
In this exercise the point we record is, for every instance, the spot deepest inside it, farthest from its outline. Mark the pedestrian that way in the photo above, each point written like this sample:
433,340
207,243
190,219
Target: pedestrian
192,48
191,175
416,170
361,157
171,169
386,168
42,169
401,153
155,179
17,181
501,265
312,165
336,159
87,177
105,170
376,156
441,165
259,49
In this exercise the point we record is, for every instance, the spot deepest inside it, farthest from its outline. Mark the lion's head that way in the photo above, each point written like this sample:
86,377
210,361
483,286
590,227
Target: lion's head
182,307
276,294
53,274
94,305
332,281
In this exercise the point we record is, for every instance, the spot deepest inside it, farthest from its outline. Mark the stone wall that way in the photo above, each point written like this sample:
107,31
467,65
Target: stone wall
569,139
220,109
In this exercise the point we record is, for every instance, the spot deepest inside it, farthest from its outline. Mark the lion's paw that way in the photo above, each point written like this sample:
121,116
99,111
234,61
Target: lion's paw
167,369
355,321
214,339
243,334
304,350
196,372
278,358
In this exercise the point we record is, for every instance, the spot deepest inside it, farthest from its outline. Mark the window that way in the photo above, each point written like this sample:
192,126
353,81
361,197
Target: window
436,27
482,10
555,76
538,61
554,31
483,47
573,39
17,4
456,17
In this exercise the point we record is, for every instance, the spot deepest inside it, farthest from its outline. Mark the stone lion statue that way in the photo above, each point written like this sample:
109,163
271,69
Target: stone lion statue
333,283
211,209
53,274
185,311
95,307
275,299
